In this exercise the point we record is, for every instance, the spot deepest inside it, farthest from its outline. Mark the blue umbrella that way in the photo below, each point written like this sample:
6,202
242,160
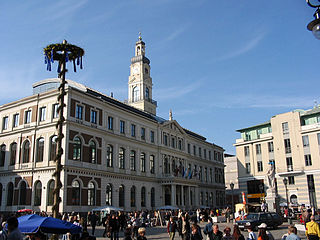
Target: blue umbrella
33,223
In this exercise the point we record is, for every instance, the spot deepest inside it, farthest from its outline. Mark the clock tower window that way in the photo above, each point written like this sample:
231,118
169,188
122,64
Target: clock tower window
147,93
135,94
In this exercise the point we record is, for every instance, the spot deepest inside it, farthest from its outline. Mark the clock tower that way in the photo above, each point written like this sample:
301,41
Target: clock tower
140,82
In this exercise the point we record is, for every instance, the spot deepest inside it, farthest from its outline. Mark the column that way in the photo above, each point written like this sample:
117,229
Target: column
182,196
173,195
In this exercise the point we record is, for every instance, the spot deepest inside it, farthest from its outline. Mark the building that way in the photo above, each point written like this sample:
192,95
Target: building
231,177
115,153
289,140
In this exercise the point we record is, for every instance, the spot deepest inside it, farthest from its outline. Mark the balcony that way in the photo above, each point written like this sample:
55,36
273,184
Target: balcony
310,127
138,99
289,170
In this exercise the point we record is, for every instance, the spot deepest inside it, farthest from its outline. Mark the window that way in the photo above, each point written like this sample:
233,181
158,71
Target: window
248,168
153,197
143,197
287,145
270,147
307,159
53,148
16,120
79,112
26,152
211,176
210,157
200,152
27,116
22,193
201,198
173,142
133,160
13,153
91,194
147,89
318,136
205,174
289,164
136,93
142,162
93,116
37,193
121,158
291,180
92,152
75,193
165,140
133,130
133,196
2,154
194,150
166,165
55,113
143,133
9,194
260,166
76,149
40,150
152,136
151,164
258,149
121,196
5,122
189,148
50,192
109,156
246,151
109,195
42,114
285,127
110,123
305,141
121,126
200,173
205,153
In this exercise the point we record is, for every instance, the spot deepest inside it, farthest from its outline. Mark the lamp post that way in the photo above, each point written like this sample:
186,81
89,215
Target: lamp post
314,25
285,182
62,53
232,200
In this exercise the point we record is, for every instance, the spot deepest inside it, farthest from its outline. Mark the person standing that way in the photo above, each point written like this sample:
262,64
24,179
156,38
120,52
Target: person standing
227,234
312,229
195,235
216,234
142,233
237,233
171,228
292,233
252,235
184,228
13,230
208,228
93,221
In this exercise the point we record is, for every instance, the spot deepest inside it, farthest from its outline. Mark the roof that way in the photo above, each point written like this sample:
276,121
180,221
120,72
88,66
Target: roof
312,111
255,126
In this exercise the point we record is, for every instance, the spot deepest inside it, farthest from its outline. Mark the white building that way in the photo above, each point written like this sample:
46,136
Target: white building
115,153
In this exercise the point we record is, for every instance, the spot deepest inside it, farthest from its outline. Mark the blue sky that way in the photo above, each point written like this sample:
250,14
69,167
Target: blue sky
219,65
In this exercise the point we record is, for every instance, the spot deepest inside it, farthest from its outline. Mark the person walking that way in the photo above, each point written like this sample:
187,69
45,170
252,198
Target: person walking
292,233
237,233
142,233
93,220
171,228
13,230
216,234
195,234
263,227
208,228
252,235
184,228
312,229
227,234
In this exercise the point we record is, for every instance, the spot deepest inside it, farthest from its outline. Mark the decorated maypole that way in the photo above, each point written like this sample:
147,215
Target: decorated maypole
62,53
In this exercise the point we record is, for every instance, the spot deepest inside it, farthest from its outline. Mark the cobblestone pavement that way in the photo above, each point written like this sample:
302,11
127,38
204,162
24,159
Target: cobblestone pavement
161,232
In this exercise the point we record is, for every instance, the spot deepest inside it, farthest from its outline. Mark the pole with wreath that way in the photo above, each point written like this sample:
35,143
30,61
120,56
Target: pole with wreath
61,53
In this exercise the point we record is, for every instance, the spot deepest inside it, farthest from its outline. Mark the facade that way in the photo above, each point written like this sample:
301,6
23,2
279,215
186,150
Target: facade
115,153
231,176
291,141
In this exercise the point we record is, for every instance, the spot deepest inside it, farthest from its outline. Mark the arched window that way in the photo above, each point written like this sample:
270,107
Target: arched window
143,197
207,199
2,154
26,152
121,196
166,166
91,194
142,162
147,89
109,156
109,195
211,199
40,149
75,193
9,194
22,193
201,198
133,196
133,160
92,152
173,165
13,153
0,193
151,164
135,94
153,197
76,149
121,158
37,193
50,192
53,148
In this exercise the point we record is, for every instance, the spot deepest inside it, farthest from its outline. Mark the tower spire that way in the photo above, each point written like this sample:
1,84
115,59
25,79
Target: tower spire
140,37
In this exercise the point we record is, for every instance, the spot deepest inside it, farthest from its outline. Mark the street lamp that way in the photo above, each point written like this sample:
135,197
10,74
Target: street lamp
232,187
285,182
314,25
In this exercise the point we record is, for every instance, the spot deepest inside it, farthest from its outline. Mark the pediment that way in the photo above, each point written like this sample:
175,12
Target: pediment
173,126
